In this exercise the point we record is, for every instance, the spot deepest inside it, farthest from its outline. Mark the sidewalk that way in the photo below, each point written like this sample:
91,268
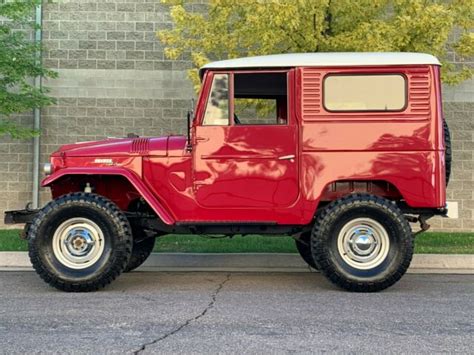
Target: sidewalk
257,262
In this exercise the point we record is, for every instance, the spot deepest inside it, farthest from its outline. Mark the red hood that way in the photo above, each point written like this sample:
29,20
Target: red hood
160,146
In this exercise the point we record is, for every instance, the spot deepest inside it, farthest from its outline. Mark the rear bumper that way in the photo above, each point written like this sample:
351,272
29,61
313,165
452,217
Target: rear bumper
20,216
441,211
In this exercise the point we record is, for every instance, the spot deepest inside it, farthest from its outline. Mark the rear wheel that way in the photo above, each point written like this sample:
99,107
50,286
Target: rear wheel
80,242
362,243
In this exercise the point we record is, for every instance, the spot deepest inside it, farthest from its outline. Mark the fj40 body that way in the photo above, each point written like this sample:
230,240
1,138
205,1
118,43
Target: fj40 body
341,151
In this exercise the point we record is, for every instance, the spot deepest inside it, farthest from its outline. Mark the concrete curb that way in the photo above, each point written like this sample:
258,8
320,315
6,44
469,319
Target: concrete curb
257,262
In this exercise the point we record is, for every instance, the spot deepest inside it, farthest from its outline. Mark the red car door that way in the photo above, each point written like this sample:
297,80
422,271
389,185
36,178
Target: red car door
251,164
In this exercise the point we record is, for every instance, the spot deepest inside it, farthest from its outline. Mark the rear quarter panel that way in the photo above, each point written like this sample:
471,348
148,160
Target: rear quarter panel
402,148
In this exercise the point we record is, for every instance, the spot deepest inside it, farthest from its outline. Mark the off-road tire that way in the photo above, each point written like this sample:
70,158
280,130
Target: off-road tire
117,242
141,250
303,245
327,229
448,151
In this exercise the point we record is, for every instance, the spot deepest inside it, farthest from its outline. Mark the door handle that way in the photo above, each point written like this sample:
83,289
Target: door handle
287,157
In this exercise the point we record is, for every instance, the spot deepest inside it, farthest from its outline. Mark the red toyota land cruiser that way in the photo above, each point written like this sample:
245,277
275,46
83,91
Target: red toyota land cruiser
339,150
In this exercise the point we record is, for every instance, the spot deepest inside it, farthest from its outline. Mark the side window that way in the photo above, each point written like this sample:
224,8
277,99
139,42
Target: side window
217,108
260,98
365,92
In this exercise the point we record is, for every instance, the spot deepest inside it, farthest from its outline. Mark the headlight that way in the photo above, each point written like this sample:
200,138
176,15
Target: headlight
48,169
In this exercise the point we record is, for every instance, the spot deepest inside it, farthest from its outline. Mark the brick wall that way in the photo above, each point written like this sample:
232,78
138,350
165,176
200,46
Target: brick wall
113,76
460,118
16,164
114,79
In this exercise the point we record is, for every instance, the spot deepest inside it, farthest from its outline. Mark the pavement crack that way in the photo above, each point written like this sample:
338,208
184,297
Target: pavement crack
188,321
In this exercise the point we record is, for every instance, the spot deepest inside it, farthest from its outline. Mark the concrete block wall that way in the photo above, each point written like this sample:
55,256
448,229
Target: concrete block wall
113,76
114,80
16,164
460,118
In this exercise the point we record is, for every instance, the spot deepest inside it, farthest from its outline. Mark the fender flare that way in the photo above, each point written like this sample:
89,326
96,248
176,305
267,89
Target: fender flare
131,177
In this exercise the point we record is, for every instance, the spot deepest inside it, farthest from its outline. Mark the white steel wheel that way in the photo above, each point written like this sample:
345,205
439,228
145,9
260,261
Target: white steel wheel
363,243
78,243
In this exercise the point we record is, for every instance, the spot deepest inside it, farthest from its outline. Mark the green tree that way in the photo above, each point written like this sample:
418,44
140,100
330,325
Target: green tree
19,65
236,28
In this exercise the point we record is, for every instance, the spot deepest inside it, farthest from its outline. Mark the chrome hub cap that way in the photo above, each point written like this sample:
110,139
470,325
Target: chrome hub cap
78,243
363,243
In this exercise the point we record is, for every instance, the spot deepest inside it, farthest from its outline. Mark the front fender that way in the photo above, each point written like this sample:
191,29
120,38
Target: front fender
132,177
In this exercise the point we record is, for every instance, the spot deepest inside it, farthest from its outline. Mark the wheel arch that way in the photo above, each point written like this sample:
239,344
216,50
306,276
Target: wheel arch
119,185
339,189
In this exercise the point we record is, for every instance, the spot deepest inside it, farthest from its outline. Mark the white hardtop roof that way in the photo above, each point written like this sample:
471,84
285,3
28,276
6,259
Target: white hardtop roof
324,60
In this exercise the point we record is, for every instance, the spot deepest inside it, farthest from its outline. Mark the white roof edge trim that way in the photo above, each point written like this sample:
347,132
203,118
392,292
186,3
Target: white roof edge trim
325,60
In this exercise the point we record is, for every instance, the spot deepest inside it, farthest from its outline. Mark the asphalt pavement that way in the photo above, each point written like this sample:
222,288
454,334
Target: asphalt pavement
159,312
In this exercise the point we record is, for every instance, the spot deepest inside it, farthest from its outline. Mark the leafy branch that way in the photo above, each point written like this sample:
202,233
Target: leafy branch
19,65
232,29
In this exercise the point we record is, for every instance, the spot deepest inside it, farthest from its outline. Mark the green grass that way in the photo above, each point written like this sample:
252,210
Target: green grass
445,243
426,243
238,244
10,241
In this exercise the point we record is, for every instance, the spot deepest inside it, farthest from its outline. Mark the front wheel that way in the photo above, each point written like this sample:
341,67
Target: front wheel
80,242
362,243
141,250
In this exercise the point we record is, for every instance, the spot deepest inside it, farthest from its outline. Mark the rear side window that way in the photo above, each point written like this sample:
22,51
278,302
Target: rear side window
365,92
